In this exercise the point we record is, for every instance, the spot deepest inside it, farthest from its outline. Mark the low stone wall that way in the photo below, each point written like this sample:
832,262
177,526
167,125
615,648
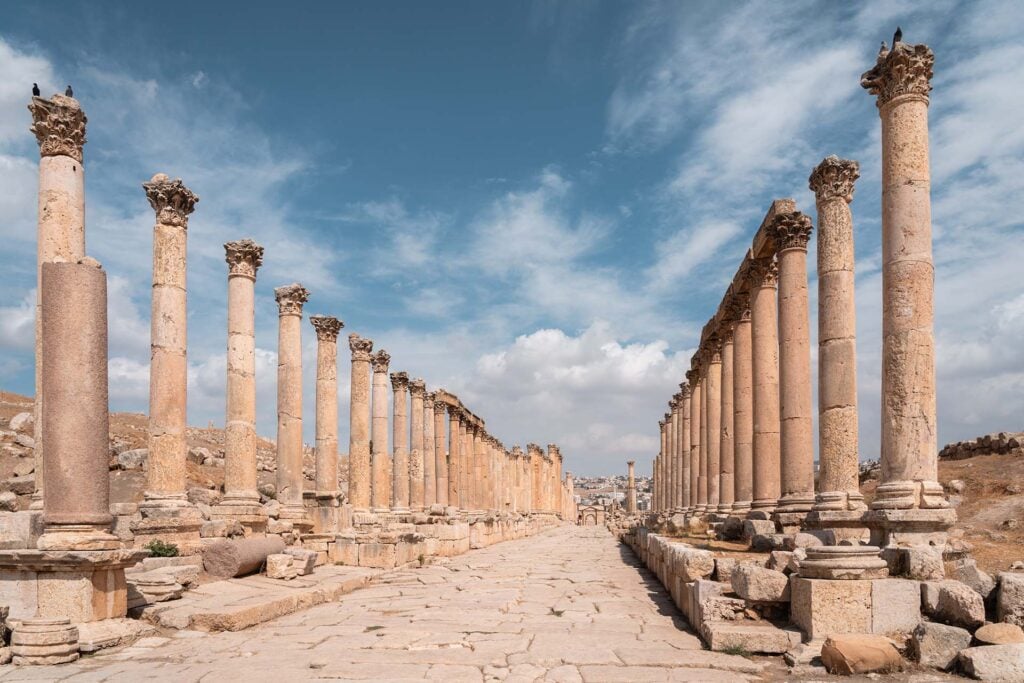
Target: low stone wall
1000,443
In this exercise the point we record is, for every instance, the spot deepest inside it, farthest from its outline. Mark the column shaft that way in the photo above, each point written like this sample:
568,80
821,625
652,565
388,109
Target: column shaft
359,476
727,462
714,428
417,477
440,455
684,448
454,440
400,447
289,400
326,477
765,373
743,410
380,496
695,401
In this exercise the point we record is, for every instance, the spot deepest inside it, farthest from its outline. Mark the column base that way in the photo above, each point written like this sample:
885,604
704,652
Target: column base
847,526
741,508
905,528
724,508
764,506
41,642
71,537
168,521
847,562
839,501
251,516
906,494
298,515
796,502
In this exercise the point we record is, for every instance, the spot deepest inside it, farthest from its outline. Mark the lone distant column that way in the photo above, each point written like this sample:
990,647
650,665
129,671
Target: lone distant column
838,486
684,446
714,424
326,486
290,299
440,455
901,79
417,477
693,378
631,488
359,475
454,442
59,126
727,460
380,498
765,372
74,355
168,369
792,232
241,499
400,447
743,407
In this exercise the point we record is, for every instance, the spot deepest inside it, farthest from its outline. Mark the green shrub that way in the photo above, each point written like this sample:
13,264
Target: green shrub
160,549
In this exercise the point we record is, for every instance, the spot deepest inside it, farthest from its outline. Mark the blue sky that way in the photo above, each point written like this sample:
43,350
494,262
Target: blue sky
534,205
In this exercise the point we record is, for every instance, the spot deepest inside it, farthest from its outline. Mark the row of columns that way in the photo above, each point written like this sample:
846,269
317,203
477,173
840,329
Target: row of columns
738,437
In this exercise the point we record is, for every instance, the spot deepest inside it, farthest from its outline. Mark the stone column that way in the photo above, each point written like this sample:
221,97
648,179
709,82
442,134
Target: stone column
480,479
290,299
429,459
901,79
765,374
380,498
684,446
838,481
359,424
726,490
440,455
536,477
454,442
400,446
74,354
677,452
327,494
693,378
59,126
554,478
241,499
714,424
659,470
466,463
743,407
417,477
703,489
631,488
168,369
792,231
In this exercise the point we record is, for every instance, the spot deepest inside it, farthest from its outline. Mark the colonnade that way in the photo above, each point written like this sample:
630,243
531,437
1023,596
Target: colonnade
738,438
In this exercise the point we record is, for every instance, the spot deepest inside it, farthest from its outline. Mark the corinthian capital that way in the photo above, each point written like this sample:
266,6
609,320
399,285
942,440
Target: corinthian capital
171,200
380,361
417,387
361,348
792,230
327,327
399,381
904,70
59,126
764,272
290,299
439,404
692,376
834,177
684,389
244,258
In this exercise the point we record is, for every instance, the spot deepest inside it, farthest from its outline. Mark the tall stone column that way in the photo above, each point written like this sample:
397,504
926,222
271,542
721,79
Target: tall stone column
359,474
662,457
59,126
727,460
400,447
693,378
440,455
714,424
677,452
326,487
241,499
743,407
832,182
168,369
684,446
792,232
480,478
901,79
703,489
380,467
555,478
417,475
290,299
454,446
466,463
765,373
631,488
536,477
429,459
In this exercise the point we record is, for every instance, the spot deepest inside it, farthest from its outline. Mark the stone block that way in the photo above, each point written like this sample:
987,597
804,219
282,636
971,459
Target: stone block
377,555
998,663
929,597
937,645
755,637
999,634
344,551
895,605
303,559
958,604
859,653
802,540
724,567
280,566
1010,598
823,607
759,584
765,543
187,574
697,592
757,527
779,560
691,564
965,570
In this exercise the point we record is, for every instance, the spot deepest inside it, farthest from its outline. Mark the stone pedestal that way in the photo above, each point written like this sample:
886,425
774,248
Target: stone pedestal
913,527
41,642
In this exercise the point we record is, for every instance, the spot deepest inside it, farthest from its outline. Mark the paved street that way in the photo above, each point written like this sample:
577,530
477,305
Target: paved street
568,605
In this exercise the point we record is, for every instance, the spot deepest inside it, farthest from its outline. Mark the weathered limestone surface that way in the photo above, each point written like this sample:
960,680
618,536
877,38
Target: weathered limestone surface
326,491
416,474
743,408
290,300
400,457
359,424
380,463
765,371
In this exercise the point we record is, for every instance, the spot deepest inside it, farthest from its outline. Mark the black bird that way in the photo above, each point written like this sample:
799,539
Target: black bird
897,37
69,92
35,90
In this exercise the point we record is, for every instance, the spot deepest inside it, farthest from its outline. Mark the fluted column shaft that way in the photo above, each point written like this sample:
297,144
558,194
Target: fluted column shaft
359,468
727,461
290,300
400,446
466,464
743,411
765,372
380,466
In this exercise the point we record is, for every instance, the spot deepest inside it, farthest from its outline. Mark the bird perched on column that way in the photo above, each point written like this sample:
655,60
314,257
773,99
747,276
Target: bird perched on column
69,92
35,90
897,37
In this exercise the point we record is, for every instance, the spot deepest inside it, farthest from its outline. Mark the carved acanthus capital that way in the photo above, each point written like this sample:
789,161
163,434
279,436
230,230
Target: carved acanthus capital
428,399
517,452
763,272
439,404
327,327
792,230
417,387
685,390
454,412
290,299
399,380
361,347
380,361
692,377
59,126
738,309
834,177
714,352
172,201
244,257
904,70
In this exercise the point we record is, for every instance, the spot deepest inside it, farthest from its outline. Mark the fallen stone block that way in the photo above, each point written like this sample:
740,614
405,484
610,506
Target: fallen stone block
303,559
1010,598
996,663
779,559
98,635
759,584
959,605
692,564
280,566
860,653
802,540
756,637
147,588
937,645
765,543
187,574
999,634
966,571
757,527
724,567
